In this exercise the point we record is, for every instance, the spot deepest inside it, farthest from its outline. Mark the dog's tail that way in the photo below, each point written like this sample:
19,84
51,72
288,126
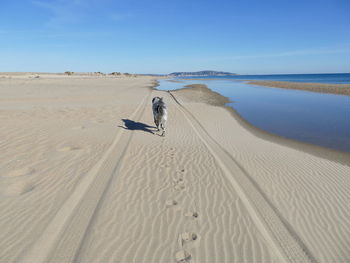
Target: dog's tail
160,109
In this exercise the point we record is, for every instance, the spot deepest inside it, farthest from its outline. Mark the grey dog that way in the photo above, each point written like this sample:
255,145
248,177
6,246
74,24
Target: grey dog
160,113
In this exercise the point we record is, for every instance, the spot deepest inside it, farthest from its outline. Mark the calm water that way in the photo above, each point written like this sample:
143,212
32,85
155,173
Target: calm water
340,78
321,119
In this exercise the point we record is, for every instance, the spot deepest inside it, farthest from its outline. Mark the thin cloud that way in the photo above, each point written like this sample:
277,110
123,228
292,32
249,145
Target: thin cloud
56,35
62,11
77,34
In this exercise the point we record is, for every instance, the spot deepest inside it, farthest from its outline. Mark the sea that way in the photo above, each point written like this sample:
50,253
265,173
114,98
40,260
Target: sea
317,118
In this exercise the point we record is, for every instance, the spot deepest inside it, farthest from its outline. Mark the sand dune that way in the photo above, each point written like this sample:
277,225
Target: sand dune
84,178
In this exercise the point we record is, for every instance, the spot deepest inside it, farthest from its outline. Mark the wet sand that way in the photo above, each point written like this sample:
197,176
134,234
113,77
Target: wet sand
201,93
341,89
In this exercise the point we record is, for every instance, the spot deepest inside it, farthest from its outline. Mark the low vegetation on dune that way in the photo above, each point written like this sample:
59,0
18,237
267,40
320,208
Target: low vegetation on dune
115,73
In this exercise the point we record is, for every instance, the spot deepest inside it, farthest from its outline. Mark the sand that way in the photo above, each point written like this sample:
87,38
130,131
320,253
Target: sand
341,89
84,178
201,93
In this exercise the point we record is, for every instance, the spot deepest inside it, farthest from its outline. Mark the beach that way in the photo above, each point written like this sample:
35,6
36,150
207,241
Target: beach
84,177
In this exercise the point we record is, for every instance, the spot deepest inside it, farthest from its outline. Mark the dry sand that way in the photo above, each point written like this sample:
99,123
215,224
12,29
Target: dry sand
83,178
341,89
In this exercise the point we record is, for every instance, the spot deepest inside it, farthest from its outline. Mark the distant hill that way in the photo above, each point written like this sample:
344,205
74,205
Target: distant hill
201,73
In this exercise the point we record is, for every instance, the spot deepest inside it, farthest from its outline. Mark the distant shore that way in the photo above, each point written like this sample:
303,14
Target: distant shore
341,89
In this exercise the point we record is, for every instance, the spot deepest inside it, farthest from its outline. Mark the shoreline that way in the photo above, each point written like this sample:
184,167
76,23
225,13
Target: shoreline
339,89
328,88
208,96
199,93
296,179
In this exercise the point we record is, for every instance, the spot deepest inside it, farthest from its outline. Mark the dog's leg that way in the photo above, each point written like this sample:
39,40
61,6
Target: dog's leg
156,123
163,128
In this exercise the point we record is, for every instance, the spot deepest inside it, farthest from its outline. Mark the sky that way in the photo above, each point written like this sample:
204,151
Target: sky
244,37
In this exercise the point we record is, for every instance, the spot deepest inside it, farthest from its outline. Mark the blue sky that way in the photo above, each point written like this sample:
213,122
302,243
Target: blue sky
246,37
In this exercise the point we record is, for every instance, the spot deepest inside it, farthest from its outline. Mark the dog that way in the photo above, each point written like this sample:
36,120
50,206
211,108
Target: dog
160,113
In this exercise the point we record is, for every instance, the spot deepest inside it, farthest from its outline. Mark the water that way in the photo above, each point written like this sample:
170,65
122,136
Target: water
316,118
339,78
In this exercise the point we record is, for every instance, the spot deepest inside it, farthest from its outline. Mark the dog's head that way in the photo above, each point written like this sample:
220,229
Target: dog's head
155,99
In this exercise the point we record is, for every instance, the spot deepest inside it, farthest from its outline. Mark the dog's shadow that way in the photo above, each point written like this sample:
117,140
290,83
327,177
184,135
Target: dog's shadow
136,126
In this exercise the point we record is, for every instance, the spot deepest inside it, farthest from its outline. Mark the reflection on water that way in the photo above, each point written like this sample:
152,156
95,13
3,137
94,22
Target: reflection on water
316,118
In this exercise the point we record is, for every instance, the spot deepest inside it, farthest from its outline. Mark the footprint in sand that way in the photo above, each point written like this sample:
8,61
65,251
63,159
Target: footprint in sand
187,237
79,127
170,203
179,187
182,256
69,148
179,184
192,214
20,172
19,188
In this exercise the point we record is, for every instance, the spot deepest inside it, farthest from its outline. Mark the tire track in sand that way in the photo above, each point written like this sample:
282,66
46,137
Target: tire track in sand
62,237
279,236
